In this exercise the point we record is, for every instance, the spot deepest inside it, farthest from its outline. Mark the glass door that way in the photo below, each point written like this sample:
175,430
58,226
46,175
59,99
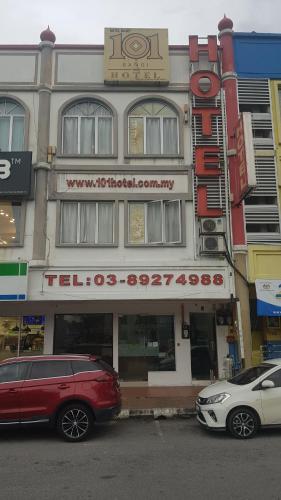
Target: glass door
203,346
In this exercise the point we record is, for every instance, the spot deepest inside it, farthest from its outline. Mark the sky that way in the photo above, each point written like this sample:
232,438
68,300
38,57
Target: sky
83,21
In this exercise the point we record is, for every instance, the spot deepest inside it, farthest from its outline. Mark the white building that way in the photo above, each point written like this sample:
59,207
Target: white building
108,223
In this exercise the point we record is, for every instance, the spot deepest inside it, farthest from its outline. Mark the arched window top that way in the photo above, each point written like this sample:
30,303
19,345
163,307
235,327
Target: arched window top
87,108
12,124
87,128
153,129
153,108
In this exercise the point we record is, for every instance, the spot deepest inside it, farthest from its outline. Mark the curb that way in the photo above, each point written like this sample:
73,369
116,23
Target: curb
157,413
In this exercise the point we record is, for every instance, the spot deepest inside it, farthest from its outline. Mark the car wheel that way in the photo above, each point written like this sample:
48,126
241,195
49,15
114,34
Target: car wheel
243,423
75,422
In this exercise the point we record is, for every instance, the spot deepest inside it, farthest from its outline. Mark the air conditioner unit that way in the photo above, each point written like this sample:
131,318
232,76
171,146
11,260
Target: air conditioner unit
212,225
212,244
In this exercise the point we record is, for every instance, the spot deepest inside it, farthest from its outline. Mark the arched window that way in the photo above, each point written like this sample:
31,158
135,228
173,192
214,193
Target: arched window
153,129
12,118
87,129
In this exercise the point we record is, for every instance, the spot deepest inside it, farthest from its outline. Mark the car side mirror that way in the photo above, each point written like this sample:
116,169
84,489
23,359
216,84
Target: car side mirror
267,384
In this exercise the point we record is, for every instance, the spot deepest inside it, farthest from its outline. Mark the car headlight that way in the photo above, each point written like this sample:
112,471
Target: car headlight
217,398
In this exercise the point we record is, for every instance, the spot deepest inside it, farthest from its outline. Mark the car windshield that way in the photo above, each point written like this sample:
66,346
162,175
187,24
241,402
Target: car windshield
251,374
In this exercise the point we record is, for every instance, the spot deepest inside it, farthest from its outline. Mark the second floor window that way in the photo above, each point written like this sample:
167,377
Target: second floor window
155,222
87,129
87,223
12,116
153,129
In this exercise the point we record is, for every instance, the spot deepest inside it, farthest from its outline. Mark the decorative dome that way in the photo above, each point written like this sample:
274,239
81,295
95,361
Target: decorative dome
225,24
48,36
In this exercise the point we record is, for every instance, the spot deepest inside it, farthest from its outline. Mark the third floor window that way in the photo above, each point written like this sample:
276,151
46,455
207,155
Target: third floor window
12,117
87,129
153,129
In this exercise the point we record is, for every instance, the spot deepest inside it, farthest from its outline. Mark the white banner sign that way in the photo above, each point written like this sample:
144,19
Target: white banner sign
121,183
101,284
268,297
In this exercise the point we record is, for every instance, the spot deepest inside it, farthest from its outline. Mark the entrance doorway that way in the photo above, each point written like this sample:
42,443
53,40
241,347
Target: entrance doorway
203,346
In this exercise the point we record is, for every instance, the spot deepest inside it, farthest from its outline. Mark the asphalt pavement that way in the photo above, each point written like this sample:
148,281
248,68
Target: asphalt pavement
140,459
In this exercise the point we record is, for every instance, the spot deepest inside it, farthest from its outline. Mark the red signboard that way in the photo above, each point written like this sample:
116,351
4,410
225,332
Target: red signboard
245,168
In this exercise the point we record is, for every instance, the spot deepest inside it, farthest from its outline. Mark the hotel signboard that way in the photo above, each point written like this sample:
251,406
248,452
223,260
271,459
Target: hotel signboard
134,56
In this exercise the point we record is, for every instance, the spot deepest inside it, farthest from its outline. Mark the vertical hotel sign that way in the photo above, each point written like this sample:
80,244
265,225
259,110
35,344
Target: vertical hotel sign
207,157
246,170
135,56
13,281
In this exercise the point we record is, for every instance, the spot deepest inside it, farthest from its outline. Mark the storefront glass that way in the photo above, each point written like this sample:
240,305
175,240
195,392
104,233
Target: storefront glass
84,334
21,336
146,343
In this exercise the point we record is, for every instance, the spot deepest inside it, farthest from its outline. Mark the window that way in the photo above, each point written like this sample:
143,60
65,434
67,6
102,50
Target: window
11,218
49,369
153,129
13,372
87,223
155,222
276,378
85,366
251,374
12,117
146,343
87,129
84,334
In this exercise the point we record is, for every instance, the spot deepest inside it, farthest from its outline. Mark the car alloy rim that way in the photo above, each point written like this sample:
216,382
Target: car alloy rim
243,424
75,423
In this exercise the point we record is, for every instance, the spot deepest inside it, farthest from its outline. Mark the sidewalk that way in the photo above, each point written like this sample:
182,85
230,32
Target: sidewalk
158,401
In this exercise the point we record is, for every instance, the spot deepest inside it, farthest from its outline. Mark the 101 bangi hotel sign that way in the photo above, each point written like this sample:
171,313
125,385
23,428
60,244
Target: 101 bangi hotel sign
136,56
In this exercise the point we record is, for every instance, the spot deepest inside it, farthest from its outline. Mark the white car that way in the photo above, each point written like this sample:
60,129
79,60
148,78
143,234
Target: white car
243,403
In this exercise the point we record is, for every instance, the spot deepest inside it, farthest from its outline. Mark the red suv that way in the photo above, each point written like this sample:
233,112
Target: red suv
70,392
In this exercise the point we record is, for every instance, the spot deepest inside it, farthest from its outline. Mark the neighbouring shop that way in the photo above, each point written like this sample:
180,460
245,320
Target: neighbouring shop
21,336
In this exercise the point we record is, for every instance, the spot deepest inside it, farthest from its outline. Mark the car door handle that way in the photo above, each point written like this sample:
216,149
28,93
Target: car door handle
12,390
63,386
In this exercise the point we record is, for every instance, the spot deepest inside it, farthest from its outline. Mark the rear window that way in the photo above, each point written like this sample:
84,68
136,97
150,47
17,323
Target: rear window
50,369
250,375
85,366
104,366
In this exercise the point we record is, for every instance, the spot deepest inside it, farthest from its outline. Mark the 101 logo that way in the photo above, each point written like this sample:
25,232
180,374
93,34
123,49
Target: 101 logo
135,46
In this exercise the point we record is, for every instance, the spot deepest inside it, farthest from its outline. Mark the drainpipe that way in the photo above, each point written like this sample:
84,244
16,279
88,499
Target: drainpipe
42,167
229,84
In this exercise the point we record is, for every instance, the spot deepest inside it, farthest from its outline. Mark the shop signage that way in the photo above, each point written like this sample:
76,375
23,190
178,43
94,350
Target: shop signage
129,284
13,281
268,297
15,173
246,170
134,56
207,158
102,183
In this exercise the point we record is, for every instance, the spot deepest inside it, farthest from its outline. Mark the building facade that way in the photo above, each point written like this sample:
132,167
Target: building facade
258,70
115,235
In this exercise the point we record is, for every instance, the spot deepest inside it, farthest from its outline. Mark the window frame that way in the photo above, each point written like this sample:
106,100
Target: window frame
114,131
163,243
25,116
178,115
115,218
22,222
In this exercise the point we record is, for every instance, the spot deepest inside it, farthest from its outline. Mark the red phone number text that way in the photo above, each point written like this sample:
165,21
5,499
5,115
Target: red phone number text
134,279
